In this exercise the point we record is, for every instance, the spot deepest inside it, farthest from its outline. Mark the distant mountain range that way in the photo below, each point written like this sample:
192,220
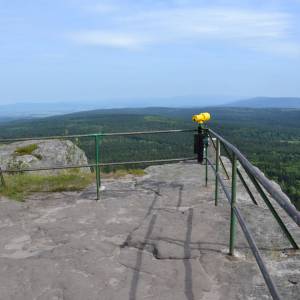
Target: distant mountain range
32,110
44,109
267,102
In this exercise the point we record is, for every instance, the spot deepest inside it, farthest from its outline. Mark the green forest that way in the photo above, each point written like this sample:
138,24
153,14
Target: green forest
270,138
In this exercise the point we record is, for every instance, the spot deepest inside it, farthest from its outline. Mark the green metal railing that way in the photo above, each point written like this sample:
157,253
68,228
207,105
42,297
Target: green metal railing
259,181
2,181
98,137
263,186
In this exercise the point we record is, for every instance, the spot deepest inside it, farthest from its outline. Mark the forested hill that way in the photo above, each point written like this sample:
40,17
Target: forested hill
111,120
270,138
268,102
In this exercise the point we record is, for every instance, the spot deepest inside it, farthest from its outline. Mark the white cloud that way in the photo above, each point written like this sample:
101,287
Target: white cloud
107,38
211,23
104,8
279,47
137,28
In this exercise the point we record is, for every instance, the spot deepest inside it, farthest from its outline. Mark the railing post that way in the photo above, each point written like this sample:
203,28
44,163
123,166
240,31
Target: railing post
220,159
2,181
205,140
217,171
206,166
233,201
242,179
97,160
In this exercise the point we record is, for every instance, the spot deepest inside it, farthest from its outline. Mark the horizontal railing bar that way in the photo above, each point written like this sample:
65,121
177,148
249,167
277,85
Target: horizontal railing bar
241,178
94,134
148,161
246,187
148,132
279,196
261,264
273,211
221,160
225,189
238,172
258,257
101,165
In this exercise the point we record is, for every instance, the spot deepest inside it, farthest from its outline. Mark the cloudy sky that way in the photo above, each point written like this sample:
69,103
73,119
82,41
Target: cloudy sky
86,50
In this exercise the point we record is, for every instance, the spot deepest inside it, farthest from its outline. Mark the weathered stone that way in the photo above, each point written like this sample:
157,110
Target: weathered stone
159,236
45,154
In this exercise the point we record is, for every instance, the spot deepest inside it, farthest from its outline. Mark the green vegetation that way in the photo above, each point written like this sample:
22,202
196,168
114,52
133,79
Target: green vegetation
19,186
160,119
28,150
136,172
268,140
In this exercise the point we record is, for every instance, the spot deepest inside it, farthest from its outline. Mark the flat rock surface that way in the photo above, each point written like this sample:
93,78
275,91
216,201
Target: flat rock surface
159,236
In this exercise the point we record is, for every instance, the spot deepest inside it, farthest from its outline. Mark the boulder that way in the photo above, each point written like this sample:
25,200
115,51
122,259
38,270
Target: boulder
41,154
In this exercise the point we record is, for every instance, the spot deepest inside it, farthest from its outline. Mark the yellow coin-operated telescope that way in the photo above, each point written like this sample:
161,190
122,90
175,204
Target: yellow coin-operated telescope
201,118
201,138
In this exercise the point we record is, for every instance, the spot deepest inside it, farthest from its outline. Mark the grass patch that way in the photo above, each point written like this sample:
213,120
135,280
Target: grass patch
21,185
26,150
137,172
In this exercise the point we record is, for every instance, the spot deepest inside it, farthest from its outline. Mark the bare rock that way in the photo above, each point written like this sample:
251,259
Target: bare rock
41,154
156,237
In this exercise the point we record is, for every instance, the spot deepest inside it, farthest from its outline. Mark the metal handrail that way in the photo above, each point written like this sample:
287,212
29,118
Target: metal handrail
121,163
276,194
95,134
257,179
250,239
97,139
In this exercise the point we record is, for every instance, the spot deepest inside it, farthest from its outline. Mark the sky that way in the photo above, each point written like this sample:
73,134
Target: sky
89,50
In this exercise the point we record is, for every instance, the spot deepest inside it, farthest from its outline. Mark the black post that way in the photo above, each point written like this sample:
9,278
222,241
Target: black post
2,181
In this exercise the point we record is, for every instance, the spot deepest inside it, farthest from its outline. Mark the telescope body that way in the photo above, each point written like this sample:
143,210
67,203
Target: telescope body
201,138
201,118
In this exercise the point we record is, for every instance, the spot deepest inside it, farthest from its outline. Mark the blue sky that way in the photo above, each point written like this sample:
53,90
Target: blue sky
75,50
